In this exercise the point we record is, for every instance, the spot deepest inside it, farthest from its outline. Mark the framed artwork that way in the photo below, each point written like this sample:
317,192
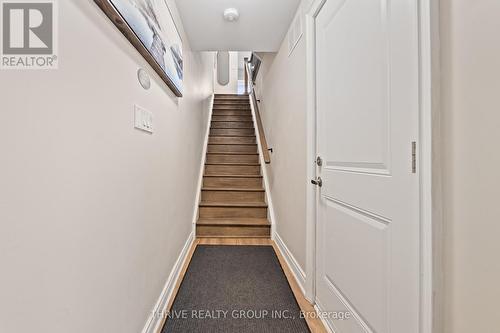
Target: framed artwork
149,26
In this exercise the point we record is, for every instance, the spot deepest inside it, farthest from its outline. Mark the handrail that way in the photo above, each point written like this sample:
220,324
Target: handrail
255,61
260,127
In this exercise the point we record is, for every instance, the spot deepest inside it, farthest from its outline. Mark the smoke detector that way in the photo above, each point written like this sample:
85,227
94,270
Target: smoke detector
231,15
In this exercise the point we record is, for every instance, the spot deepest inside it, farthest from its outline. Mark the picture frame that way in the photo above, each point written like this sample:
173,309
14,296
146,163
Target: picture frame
149,26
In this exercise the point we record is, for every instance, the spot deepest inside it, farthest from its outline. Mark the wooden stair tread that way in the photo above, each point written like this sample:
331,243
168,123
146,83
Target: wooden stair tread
232,144
232,136
238,113
232,176
241,107
234,204
229,96
233,189
234,237
232,128
232,153
233,163
232,121
237,103
232,195
234,222
226,137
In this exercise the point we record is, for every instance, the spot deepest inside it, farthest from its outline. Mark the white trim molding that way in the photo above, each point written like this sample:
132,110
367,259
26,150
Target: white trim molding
202,164
292,263
311,169
157,315
431,269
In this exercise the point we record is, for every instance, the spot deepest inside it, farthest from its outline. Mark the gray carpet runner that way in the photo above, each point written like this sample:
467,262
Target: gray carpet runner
235,289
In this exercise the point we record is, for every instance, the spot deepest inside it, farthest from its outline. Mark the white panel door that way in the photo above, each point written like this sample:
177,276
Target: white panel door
368,207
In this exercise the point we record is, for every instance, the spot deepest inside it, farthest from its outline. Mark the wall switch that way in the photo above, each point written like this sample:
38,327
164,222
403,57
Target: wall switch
143,119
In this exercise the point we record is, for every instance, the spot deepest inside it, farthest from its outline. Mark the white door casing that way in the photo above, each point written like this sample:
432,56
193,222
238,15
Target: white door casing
367,102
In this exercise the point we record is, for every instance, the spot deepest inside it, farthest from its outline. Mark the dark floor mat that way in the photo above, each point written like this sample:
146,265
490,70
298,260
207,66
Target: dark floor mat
235,289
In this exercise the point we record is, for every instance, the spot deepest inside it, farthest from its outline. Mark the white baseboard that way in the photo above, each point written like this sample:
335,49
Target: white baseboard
297,271
155,319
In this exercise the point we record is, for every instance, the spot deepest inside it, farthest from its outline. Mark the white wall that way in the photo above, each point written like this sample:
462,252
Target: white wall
281,85
471,160
93,213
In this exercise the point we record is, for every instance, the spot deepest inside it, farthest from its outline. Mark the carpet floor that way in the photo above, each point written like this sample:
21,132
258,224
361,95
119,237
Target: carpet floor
236,289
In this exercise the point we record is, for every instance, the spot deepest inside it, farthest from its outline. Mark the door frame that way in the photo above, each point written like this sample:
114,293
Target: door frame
428,161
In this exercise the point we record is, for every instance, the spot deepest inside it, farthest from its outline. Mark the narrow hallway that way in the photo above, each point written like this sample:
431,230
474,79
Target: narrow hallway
234,279
295,166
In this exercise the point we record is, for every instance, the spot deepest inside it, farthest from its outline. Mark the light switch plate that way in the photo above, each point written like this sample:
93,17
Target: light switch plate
143,119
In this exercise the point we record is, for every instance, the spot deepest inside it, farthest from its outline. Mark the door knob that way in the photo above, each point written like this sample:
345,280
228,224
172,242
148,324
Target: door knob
317,182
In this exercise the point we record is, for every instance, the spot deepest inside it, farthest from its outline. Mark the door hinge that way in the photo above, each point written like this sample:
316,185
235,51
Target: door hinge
414,157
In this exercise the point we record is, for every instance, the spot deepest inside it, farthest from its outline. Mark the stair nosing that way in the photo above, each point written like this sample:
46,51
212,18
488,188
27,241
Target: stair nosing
225,138
222,115
247,222
233,189
226,153
239,128
248,120
232,144
232,128
231,237
234,155
240,121
233,163
233,204
232,121
231,154
232,176
229,174
243,102
232,136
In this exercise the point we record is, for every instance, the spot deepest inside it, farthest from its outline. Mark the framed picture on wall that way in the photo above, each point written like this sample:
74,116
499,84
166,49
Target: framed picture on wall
150,27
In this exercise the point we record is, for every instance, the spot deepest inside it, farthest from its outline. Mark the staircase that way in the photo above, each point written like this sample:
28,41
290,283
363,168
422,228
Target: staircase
232,196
